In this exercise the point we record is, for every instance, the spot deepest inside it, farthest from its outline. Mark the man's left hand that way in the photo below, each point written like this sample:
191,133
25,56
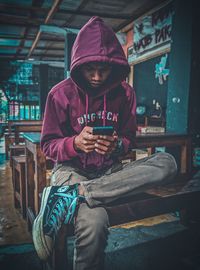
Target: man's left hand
106,144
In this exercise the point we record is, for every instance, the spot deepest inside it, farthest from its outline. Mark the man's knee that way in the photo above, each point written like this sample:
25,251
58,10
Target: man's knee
168,162
91,222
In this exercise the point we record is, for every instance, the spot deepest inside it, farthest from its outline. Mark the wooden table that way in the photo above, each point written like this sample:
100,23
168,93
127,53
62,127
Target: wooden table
35,174
17,126
168,140
26,127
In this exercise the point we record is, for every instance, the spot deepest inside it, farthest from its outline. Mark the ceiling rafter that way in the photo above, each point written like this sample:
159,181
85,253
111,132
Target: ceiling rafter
20,24
16,21
49,16
26,30
22,56
10,37
82,5
69,11
10,47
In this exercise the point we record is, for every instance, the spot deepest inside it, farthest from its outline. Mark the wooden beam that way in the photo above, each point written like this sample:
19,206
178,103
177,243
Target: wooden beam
83,3
16,21
47,57
119,16
25,31
49,16
53,10
28,47
58,54
10,37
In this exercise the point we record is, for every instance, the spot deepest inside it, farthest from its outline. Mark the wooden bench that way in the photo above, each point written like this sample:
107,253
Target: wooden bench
37,174
18,178
181,195
26,127
16,150
10,140
169,140
12,123
153,202
13,135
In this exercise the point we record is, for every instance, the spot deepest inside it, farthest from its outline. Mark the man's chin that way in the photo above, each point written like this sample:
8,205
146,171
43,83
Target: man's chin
94,85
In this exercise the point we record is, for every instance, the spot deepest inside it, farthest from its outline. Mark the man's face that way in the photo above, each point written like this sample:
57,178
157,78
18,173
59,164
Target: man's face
96,73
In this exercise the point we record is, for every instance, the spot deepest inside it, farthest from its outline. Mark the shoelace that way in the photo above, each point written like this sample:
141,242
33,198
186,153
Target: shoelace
68,201
71,201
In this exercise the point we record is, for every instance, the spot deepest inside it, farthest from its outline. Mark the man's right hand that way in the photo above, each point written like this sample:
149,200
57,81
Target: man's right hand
85,141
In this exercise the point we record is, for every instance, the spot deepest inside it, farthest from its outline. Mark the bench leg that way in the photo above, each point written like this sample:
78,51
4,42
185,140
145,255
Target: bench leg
16,186
58,260
60,251
190,217
23,190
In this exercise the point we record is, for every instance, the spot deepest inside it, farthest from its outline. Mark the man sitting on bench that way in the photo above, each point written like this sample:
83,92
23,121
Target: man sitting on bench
77,134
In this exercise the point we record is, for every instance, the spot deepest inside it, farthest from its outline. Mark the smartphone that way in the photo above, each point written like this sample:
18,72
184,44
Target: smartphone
103,130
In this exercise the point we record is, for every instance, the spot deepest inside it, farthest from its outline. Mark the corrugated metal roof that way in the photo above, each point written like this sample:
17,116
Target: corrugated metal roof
20,20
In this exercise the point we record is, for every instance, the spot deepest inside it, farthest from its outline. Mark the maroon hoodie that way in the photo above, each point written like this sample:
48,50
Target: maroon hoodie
72,104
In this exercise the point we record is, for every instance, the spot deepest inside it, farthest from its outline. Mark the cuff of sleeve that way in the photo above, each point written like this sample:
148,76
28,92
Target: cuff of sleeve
70,147
119,150
126,144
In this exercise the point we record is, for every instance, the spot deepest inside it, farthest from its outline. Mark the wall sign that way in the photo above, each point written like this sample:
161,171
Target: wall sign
151,32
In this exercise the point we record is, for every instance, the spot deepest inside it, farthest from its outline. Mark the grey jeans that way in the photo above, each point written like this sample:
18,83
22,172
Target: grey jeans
91,223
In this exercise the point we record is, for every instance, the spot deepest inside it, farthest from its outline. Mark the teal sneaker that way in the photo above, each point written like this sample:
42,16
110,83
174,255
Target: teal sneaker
58,206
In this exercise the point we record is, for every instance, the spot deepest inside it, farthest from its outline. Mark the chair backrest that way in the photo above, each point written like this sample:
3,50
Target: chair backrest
12,123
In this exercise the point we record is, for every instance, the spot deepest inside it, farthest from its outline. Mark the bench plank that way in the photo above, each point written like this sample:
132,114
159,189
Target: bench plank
155,201
183,193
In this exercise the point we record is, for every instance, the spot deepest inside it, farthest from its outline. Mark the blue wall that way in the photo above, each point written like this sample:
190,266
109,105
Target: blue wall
180,67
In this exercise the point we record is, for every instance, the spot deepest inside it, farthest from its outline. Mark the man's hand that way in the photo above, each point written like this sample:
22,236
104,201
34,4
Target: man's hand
106,144
85,141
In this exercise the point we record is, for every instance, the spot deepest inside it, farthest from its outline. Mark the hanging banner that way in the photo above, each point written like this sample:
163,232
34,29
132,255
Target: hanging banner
151,32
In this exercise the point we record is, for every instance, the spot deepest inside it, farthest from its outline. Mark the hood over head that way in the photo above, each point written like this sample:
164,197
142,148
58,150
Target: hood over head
97,42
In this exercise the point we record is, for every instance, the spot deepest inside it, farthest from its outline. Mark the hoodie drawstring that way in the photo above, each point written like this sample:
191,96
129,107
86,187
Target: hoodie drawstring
86,120
104,110
104,119
86,108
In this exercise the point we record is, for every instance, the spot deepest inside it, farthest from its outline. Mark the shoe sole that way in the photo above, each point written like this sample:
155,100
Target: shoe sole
39,241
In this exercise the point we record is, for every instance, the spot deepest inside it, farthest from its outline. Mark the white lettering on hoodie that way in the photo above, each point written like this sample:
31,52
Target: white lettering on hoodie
91,117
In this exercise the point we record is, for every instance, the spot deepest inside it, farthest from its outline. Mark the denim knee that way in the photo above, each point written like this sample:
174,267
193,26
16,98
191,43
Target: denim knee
91,223
168,161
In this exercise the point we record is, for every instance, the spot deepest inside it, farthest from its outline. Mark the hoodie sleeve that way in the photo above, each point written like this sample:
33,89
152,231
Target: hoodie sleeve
127,130
55,143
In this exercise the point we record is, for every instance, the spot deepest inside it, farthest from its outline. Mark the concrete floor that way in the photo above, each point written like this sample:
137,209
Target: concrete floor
155,243
13,229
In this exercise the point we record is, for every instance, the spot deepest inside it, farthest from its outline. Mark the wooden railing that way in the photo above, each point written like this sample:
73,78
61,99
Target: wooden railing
27,110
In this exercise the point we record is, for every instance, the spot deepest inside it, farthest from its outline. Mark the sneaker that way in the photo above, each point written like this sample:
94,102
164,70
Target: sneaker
58,206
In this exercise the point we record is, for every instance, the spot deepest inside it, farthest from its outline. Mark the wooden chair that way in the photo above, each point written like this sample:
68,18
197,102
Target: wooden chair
18,178
16,150
14,131
10,140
